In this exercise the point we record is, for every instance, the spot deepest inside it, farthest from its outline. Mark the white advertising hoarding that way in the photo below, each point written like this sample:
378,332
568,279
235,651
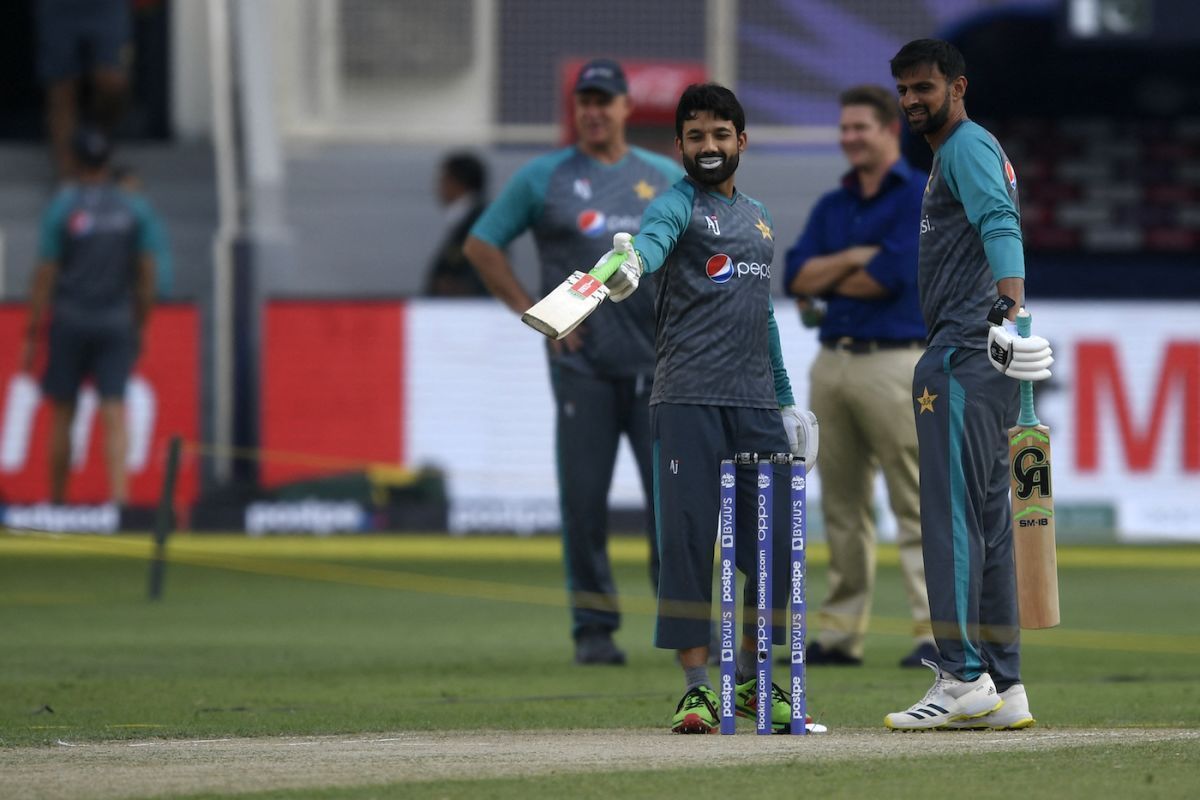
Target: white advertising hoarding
1123,407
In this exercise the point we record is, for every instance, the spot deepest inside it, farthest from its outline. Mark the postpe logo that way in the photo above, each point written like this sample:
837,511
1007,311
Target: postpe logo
591,222
719,268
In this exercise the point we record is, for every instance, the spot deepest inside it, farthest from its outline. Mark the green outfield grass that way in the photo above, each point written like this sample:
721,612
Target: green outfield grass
355,635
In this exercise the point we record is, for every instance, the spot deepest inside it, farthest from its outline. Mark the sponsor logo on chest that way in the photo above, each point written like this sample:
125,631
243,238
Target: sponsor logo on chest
721,268
83,222
594,222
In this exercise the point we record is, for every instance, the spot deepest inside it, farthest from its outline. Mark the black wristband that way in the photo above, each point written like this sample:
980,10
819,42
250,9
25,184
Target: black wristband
1000,308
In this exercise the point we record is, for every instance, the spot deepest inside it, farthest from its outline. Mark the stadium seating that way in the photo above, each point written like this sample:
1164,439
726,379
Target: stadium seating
1105,186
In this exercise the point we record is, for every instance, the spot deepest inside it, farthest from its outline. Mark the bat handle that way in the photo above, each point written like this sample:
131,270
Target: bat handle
1028,417
605,270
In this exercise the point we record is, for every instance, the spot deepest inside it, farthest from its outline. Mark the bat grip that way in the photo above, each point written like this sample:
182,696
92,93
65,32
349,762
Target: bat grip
605,270
1028,416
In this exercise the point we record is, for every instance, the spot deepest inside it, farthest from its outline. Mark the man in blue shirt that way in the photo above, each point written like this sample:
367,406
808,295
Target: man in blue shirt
602,373
857,257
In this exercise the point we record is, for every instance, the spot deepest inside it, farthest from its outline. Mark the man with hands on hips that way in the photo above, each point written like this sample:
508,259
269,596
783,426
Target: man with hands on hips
971,276
601,373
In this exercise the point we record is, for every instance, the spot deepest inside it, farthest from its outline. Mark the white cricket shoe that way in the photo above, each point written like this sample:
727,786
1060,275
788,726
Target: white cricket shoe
1011,716
948,700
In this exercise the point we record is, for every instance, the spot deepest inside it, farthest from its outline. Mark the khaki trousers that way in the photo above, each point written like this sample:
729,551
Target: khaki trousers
864,405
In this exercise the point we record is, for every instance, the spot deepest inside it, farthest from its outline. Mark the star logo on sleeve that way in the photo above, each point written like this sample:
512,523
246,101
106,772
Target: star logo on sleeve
765,230
644,190
926,401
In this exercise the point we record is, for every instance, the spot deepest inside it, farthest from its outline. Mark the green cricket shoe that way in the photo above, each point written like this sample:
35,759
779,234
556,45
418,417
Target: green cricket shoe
697,712
781,705
781,708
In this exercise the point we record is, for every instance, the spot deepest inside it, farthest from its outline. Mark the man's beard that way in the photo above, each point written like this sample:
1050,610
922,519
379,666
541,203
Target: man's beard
711,177
932,122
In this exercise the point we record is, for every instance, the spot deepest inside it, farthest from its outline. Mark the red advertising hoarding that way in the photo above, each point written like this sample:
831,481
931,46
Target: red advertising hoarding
332,391
162,401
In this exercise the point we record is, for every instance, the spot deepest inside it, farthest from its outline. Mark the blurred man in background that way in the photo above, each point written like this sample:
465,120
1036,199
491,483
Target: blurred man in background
573,199
84,51
858,254
95,282
461,188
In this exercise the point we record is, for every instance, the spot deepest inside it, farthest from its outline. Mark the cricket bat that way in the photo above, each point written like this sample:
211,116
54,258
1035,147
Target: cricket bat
561,311
1032,510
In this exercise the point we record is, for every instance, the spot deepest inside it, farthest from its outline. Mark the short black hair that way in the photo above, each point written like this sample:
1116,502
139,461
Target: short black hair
710,97
882,100
466,169
938,52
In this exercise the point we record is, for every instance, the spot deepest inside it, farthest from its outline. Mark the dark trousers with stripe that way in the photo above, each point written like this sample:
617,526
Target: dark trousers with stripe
592,413
689,443
964,408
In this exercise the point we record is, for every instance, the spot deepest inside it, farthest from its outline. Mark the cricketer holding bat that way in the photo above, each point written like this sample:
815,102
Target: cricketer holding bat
571,200
971,279
720,388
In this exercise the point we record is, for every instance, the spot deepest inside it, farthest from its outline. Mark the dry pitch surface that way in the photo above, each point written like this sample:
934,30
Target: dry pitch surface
163,767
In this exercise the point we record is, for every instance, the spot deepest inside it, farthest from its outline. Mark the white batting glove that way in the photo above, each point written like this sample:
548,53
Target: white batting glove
1026,358
802,433
625,280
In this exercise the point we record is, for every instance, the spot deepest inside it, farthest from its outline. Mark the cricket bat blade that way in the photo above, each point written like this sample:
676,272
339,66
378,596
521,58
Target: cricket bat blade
561,311
1032,511
1033,527
573,300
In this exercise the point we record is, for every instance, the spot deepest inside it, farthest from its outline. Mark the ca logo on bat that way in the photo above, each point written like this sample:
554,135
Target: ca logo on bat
1031,473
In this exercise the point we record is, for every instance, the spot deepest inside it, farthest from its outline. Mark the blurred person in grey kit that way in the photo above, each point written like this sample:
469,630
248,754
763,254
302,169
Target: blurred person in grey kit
602,372
94,284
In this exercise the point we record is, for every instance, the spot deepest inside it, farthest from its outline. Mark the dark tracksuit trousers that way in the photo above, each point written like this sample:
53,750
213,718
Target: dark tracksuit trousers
689,443
592,413
964,408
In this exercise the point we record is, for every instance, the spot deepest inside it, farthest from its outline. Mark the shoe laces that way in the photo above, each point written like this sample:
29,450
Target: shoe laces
938,682
777,694
696,698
